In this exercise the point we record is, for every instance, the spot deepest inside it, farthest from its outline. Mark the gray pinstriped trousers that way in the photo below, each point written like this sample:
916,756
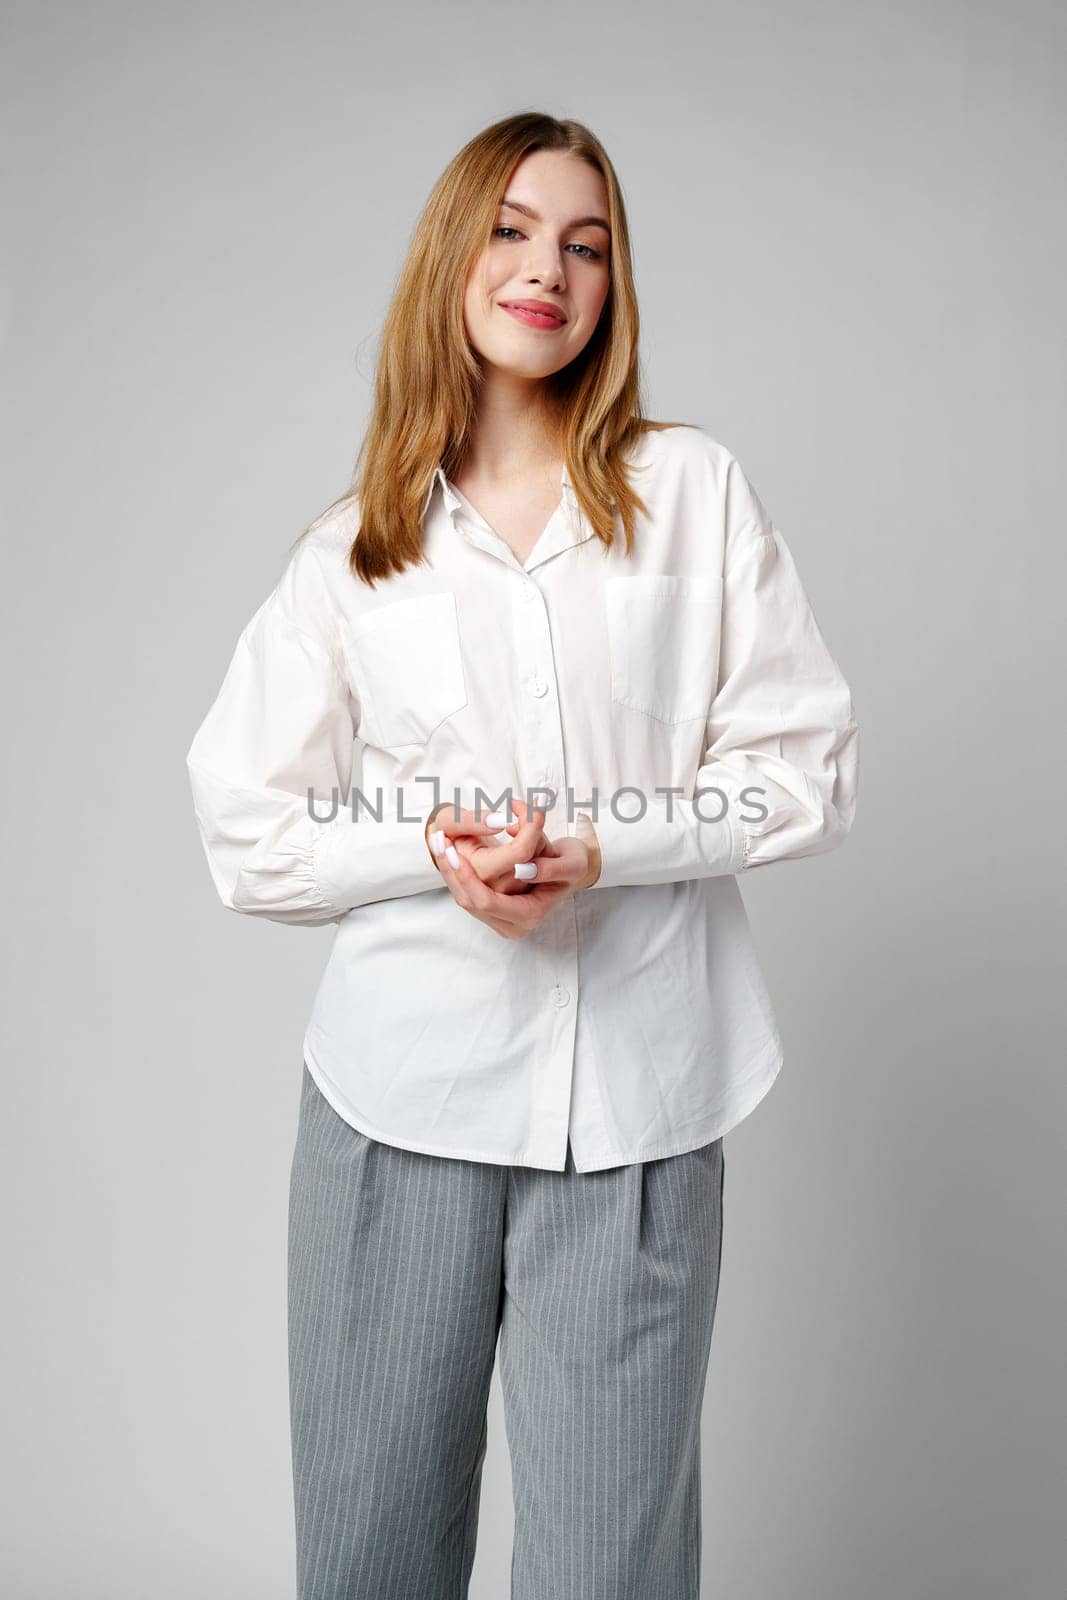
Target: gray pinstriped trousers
404,1269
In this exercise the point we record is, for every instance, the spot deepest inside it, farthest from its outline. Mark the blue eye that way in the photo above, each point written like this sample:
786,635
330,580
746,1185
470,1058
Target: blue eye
590,253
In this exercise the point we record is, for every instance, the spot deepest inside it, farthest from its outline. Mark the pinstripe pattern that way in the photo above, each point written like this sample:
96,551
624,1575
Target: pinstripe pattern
404,1268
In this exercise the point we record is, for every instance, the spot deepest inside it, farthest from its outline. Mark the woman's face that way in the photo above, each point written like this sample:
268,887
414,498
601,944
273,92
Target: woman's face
547,247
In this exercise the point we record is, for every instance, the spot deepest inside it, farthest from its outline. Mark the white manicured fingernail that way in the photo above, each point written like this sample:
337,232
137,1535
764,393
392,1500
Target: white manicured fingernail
437,841
526,869
452,856
497,819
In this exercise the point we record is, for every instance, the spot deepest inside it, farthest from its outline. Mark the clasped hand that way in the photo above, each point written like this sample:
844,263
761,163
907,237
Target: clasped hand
481,873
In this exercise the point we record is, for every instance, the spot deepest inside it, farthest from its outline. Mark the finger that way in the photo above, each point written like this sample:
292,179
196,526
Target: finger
523,815
507,877
494,863
556,870
478,855
516,833
467,887
529,909
456,829
543,898
530,827
453,821
457,874
506,930
509,884
560,869
492,860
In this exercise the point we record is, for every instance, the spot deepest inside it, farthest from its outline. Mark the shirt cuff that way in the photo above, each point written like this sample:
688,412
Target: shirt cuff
355,863
657,849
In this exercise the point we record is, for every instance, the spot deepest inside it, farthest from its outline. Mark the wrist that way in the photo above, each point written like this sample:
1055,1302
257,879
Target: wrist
596,862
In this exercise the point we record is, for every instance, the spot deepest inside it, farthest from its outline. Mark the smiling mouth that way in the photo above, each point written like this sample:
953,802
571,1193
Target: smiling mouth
534,319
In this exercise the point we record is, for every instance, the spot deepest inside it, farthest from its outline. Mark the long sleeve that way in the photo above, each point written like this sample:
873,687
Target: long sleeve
781,739
282,725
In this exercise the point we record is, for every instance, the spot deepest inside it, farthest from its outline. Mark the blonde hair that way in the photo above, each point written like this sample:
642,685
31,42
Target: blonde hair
428,377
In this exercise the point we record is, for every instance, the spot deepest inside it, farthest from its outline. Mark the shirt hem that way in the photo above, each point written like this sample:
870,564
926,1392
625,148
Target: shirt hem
757,1085
727,1118
361,1125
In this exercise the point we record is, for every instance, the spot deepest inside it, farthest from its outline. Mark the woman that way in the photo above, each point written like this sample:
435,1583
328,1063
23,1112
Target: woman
588,690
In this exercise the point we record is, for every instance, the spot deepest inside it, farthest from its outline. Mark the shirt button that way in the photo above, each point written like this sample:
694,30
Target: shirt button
527,590
538,686
560,995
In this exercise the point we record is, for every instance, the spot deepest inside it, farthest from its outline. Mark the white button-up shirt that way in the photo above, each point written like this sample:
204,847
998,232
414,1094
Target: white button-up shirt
635,1018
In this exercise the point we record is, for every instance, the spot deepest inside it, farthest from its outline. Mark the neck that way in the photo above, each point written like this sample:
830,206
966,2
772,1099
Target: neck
515,429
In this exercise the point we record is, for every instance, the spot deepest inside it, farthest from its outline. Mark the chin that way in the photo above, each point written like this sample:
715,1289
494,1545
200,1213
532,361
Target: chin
504,362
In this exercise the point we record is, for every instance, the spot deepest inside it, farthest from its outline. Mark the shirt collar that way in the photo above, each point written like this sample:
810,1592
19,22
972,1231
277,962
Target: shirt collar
452,500
561,533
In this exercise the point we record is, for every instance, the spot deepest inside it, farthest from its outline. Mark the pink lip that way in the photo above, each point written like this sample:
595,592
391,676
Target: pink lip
535,313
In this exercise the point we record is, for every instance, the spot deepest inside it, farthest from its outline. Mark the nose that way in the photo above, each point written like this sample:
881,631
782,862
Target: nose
547,270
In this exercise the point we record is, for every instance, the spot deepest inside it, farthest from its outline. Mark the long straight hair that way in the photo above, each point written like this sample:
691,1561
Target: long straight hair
428,377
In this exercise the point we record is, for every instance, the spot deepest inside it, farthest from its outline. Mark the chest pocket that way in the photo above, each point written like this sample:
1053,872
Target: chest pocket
407,666
663,636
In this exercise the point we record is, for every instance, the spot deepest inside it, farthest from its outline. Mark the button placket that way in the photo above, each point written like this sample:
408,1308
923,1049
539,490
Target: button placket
541,737
541,742
553,1086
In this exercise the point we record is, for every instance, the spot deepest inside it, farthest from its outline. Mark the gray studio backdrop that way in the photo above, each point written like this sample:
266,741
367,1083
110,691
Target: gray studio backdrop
849,231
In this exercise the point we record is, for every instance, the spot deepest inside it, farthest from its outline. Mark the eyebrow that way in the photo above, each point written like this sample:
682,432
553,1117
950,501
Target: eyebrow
579,222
